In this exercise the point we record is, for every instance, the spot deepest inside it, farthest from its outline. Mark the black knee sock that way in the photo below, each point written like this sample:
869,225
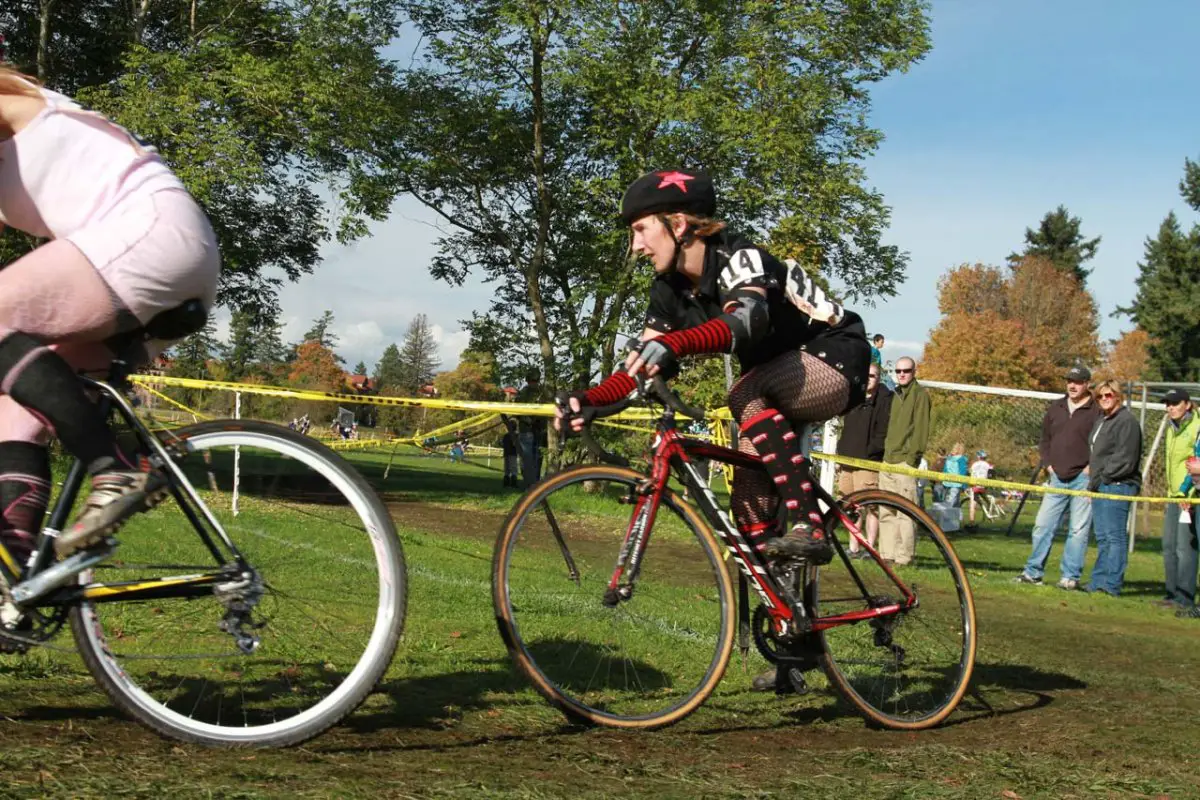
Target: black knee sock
773,438
24,495
39,379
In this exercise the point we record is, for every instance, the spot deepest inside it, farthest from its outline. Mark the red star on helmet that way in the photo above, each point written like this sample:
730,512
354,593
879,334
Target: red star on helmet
675,178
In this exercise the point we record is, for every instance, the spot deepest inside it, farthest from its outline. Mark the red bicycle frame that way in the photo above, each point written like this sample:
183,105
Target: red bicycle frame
671,450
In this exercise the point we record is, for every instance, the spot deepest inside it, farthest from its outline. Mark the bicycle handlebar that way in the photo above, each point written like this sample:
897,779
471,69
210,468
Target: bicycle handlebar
658,390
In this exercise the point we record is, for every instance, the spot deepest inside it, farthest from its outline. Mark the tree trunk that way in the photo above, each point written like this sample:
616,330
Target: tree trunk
539,35
613,323
46,8
139,19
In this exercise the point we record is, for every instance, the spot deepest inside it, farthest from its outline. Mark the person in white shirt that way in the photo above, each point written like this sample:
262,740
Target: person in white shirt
980,468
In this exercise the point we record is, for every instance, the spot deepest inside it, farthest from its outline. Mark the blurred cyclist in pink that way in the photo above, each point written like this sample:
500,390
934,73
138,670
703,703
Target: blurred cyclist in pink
125,241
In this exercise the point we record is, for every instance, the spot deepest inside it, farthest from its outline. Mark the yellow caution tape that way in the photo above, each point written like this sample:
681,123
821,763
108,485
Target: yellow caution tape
176,403
478,406
902,469
483,408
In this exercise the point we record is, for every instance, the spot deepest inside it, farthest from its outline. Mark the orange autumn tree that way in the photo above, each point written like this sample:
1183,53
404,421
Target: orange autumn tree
1056,312
1022,326
316,367
1128,358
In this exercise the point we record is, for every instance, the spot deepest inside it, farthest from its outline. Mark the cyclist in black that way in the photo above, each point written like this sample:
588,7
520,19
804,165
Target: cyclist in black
804,358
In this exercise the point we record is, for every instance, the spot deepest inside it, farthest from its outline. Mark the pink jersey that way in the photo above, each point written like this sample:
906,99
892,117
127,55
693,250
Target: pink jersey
69,166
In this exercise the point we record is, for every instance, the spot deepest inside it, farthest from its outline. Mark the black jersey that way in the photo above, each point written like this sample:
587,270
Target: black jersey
802,316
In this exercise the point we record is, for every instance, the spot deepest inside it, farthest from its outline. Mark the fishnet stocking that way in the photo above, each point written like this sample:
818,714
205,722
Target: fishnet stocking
805,389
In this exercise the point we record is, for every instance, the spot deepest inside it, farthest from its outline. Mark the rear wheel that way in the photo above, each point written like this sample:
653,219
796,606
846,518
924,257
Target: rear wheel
905,670
646,662
274,656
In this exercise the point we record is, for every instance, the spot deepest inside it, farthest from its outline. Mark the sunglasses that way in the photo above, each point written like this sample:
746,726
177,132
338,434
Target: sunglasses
903,371
1106,395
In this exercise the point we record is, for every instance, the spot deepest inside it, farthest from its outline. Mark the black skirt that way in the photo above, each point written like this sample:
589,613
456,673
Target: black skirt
845,348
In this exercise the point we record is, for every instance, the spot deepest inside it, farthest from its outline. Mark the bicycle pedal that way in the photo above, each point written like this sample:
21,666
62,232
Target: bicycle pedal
796,679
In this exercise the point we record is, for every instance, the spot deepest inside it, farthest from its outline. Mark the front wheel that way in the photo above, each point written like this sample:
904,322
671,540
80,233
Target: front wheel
644,662
326,597
905,670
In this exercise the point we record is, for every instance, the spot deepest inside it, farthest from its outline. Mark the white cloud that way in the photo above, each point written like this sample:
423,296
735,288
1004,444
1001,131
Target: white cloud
450,345
360,337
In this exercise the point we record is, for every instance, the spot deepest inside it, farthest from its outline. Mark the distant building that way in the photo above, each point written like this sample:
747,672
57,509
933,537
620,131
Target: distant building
360,383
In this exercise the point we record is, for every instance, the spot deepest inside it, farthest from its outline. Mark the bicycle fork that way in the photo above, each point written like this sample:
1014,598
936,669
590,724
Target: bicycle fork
646,497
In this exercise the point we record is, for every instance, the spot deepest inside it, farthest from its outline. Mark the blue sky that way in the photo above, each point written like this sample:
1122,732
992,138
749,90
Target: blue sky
1020,106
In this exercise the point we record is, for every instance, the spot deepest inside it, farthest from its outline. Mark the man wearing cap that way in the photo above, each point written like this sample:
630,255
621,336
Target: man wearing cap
1179,526
1065,452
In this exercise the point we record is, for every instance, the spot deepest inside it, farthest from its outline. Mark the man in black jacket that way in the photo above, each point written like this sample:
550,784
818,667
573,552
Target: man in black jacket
864,430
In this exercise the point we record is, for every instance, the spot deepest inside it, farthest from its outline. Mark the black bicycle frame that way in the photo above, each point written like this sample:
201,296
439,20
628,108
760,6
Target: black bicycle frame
205,525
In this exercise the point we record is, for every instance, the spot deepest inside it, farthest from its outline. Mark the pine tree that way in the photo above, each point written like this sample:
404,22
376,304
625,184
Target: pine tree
1167,305
389,372
269,349
189,358
418,356
322,331
239,354
1058,239
359,369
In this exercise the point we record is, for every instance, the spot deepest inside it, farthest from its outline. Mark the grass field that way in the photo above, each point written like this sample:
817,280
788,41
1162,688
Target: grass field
1074,696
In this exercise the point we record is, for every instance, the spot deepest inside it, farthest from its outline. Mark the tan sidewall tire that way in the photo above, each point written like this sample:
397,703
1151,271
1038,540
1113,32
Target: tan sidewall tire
507,629
829,665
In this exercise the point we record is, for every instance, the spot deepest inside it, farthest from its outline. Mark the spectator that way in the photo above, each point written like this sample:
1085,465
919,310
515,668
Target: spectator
1114,468
530,430
508,443
955,464
1066,427
1179,545
864,431
1190,484
907,435
876,350
458,449
980,468
936,488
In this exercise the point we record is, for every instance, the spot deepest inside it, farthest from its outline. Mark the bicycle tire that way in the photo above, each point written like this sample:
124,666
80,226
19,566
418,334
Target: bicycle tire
130,696
522,651
931,543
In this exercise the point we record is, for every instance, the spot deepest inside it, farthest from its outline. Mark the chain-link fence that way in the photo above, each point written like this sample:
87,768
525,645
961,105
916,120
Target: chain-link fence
1007,423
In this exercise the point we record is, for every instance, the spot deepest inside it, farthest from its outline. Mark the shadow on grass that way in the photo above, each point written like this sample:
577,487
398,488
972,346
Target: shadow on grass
991,682
63,714
1036,688
432,702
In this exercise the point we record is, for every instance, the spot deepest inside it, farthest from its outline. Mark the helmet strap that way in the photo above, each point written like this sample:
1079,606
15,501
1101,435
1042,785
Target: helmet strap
688,238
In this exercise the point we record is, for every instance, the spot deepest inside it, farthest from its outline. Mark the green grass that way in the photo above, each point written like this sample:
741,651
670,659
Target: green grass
1074,696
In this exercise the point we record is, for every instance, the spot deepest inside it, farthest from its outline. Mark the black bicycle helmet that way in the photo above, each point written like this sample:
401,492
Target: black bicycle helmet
667,191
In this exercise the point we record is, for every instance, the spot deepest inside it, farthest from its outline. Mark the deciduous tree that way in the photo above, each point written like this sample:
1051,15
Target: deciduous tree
529,117
278,116
316,367
1128,358
1022,327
